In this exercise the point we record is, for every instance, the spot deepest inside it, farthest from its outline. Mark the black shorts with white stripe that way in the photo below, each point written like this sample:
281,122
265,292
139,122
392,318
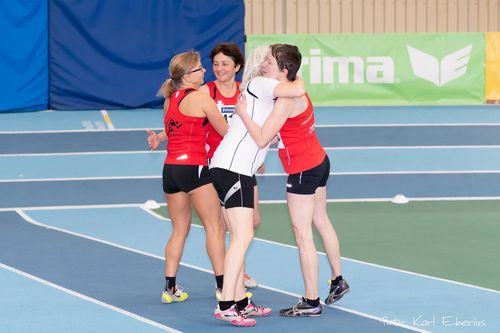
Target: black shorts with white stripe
306,182
234,189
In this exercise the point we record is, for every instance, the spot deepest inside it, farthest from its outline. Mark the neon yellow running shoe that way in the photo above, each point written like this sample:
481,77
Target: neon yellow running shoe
175,295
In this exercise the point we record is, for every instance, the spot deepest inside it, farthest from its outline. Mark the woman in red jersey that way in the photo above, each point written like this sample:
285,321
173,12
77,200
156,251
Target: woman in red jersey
308,166
227,61
186,179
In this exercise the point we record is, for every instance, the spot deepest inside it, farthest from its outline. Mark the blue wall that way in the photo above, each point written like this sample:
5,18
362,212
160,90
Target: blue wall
23,55
109,54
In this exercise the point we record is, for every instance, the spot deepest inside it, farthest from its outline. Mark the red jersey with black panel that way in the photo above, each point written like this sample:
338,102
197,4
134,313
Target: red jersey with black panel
186,136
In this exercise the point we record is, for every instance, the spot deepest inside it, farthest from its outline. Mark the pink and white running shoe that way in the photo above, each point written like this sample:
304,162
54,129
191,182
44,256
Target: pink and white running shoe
233,316
254,310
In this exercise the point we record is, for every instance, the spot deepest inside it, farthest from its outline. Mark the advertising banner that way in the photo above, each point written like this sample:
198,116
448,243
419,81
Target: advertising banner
388,69
492,66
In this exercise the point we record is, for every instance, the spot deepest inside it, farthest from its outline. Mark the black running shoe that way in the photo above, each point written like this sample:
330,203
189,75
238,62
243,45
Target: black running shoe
337,291
302,309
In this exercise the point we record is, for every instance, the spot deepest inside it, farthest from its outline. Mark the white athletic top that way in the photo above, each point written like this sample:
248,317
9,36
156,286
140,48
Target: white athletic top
237,151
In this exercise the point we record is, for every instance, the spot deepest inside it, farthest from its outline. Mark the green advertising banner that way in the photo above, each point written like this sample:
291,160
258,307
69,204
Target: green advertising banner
388,69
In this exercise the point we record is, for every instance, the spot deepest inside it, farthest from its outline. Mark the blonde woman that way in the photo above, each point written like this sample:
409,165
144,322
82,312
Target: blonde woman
186,179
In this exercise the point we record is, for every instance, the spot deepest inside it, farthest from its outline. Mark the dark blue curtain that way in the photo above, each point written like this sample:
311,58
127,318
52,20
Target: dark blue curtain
23,55
115,53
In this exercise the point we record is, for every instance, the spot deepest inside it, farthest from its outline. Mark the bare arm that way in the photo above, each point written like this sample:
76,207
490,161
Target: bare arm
154,139
263,135
214,116
290,88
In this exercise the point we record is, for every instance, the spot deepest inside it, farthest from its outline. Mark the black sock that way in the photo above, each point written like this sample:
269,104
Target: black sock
170,282
242,303
313,302
337,280
219,280
224,305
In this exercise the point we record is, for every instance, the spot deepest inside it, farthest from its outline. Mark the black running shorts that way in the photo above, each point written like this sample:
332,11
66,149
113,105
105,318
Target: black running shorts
306,182
184,178
234,189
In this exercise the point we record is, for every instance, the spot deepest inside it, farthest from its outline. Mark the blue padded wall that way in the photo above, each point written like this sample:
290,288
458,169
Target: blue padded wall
23,55
115,53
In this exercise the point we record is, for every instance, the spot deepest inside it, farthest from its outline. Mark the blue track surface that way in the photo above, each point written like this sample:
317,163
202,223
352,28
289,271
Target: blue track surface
425,158
95,141
132,282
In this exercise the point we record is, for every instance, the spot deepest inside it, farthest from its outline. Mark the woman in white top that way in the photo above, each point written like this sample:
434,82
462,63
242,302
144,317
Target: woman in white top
234,163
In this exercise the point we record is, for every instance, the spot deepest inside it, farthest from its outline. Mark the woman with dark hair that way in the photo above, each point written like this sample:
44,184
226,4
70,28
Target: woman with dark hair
308,167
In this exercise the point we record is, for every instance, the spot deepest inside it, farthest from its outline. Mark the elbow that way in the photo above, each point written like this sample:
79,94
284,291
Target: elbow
301,92
261,144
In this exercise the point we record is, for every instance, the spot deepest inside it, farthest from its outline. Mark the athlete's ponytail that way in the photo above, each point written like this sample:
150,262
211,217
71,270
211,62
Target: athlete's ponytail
166,89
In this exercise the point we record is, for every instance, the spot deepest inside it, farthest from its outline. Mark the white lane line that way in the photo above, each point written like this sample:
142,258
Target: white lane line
410,125
90,299
352,125
354,173
117,152
81,131
407,147
139,205
22,180
361,314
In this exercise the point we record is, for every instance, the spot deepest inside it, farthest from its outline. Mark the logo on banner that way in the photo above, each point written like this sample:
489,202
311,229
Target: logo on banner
348,69
451,67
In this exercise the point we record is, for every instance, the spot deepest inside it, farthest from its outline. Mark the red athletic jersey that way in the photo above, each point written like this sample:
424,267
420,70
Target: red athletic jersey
186,136
226,107
299,148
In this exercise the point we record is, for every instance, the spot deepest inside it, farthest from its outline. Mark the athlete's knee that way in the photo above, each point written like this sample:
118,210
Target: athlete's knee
243,239
303,236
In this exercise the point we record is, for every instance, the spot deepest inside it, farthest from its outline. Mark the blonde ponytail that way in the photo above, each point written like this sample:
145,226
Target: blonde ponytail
166,89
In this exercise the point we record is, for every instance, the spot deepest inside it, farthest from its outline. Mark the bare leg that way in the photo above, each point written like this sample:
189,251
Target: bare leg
256,210
240,224
207,206
301,209
326,231
179,209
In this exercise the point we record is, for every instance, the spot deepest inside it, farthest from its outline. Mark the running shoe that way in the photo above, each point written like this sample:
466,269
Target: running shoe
233,316
218,294
254,310
337,291
302,309
174,295
250,282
